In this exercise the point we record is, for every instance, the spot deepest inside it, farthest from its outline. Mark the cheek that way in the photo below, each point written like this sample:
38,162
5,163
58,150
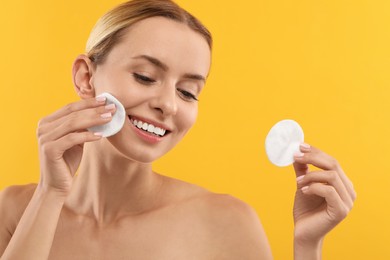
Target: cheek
133,95
122,86
130,95
188,116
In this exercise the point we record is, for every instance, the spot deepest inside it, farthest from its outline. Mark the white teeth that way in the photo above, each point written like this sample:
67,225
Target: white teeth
157,131
145,126
149,127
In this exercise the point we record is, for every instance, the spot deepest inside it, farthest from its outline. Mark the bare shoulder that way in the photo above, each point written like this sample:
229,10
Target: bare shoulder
208,203
236,228
18,193
228,223
229,213
14,200
214,205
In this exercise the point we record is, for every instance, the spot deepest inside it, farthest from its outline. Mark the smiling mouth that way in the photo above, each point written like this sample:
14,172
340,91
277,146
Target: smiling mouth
149,128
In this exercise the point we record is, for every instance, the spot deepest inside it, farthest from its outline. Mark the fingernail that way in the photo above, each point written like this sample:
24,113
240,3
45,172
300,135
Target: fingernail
299,179
100,99
110,106
305,146
106,115
98,134
298,155
304,189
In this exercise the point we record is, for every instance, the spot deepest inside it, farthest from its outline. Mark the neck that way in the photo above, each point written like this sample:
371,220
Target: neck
109,185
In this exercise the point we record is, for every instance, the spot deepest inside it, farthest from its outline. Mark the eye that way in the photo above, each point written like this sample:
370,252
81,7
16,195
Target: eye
143,79
187,95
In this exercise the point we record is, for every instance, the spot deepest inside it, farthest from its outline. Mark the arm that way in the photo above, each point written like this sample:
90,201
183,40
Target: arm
34,234
61,136
323,199
303,251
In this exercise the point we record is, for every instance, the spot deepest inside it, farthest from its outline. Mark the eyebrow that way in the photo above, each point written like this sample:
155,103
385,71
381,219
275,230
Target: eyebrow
195,77
164,67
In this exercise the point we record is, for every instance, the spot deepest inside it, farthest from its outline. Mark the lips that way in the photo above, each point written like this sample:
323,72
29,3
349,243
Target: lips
151,128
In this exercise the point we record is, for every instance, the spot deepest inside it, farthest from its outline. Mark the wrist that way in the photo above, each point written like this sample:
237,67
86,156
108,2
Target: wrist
307,249
51,193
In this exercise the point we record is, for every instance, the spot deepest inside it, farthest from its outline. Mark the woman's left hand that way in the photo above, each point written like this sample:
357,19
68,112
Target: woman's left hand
323,198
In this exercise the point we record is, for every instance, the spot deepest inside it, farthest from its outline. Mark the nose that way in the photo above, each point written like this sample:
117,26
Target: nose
165,101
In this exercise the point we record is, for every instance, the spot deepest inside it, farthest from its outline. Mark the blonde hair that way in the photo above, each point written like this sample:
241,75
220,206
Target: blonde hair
109,28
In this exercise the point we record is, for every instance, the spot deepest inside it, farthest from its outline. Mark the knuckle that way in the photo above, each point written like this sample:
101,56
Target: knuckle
343,212
354,195
72,118
41,122
70,108
307,157
350,206
41,140
86,134
85,137
333,176
329,190
334,163
72,137
309,176
46,149
39,130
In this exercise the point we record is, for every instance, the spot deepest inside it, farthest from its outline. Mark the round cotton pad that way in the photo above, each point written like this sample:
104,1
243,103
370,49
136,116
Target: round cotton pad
283,141
117,121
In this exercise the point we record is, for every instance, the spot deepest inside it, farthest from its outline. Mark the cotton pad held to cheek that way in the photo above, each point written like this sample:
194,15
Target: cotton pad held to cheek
283,141
117,121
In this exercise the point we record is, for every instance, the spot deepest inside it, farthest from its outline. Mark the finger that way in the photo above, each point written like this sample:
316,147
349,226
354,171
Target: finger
68,141
336,209
314,156
327,177
77,122
49,127
300,169
73,107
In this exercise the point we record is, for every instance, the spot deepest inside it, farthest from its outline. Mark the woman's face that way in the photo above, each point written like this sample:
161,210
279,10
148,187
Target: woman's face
157,71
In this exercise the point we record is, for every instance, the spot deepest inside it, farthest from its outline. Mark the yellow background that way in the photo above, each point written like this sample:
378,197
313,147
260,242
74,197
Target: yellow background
323,63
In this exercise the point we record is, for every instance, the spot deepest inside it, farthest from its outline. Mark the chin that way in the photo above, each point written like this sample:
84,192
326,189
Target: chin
138,152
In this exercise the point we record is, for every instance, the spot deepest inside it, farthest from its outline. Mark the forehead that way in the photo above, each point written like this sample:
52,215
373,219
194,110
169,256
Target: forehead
172,42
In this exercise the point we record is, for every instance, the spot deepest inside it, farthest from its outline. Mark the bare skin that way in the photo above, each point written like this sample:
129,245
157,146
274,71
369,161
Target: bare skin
116,207
186,222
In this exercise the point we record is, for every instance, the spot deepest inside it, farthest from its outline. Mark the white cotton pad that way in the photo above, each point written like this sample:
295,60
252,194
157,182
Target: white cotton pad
117,121
283,141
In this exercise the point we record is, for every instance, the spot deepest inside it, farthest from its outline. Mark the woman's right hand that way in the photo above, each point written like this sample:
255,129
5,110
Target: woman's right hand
61,137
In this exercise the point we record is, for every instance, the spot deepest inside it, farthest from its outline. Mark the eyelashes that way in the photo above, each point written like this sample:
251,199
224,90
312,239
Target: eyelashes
144,80
187,95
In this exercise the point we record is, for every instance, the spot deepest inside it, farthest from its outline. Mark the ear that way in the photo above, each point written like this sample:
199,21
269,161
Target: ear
82,74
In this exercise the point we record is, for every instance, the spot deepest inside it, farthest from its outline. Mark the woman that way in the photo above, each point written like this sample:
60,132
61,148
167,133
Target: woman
154,57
